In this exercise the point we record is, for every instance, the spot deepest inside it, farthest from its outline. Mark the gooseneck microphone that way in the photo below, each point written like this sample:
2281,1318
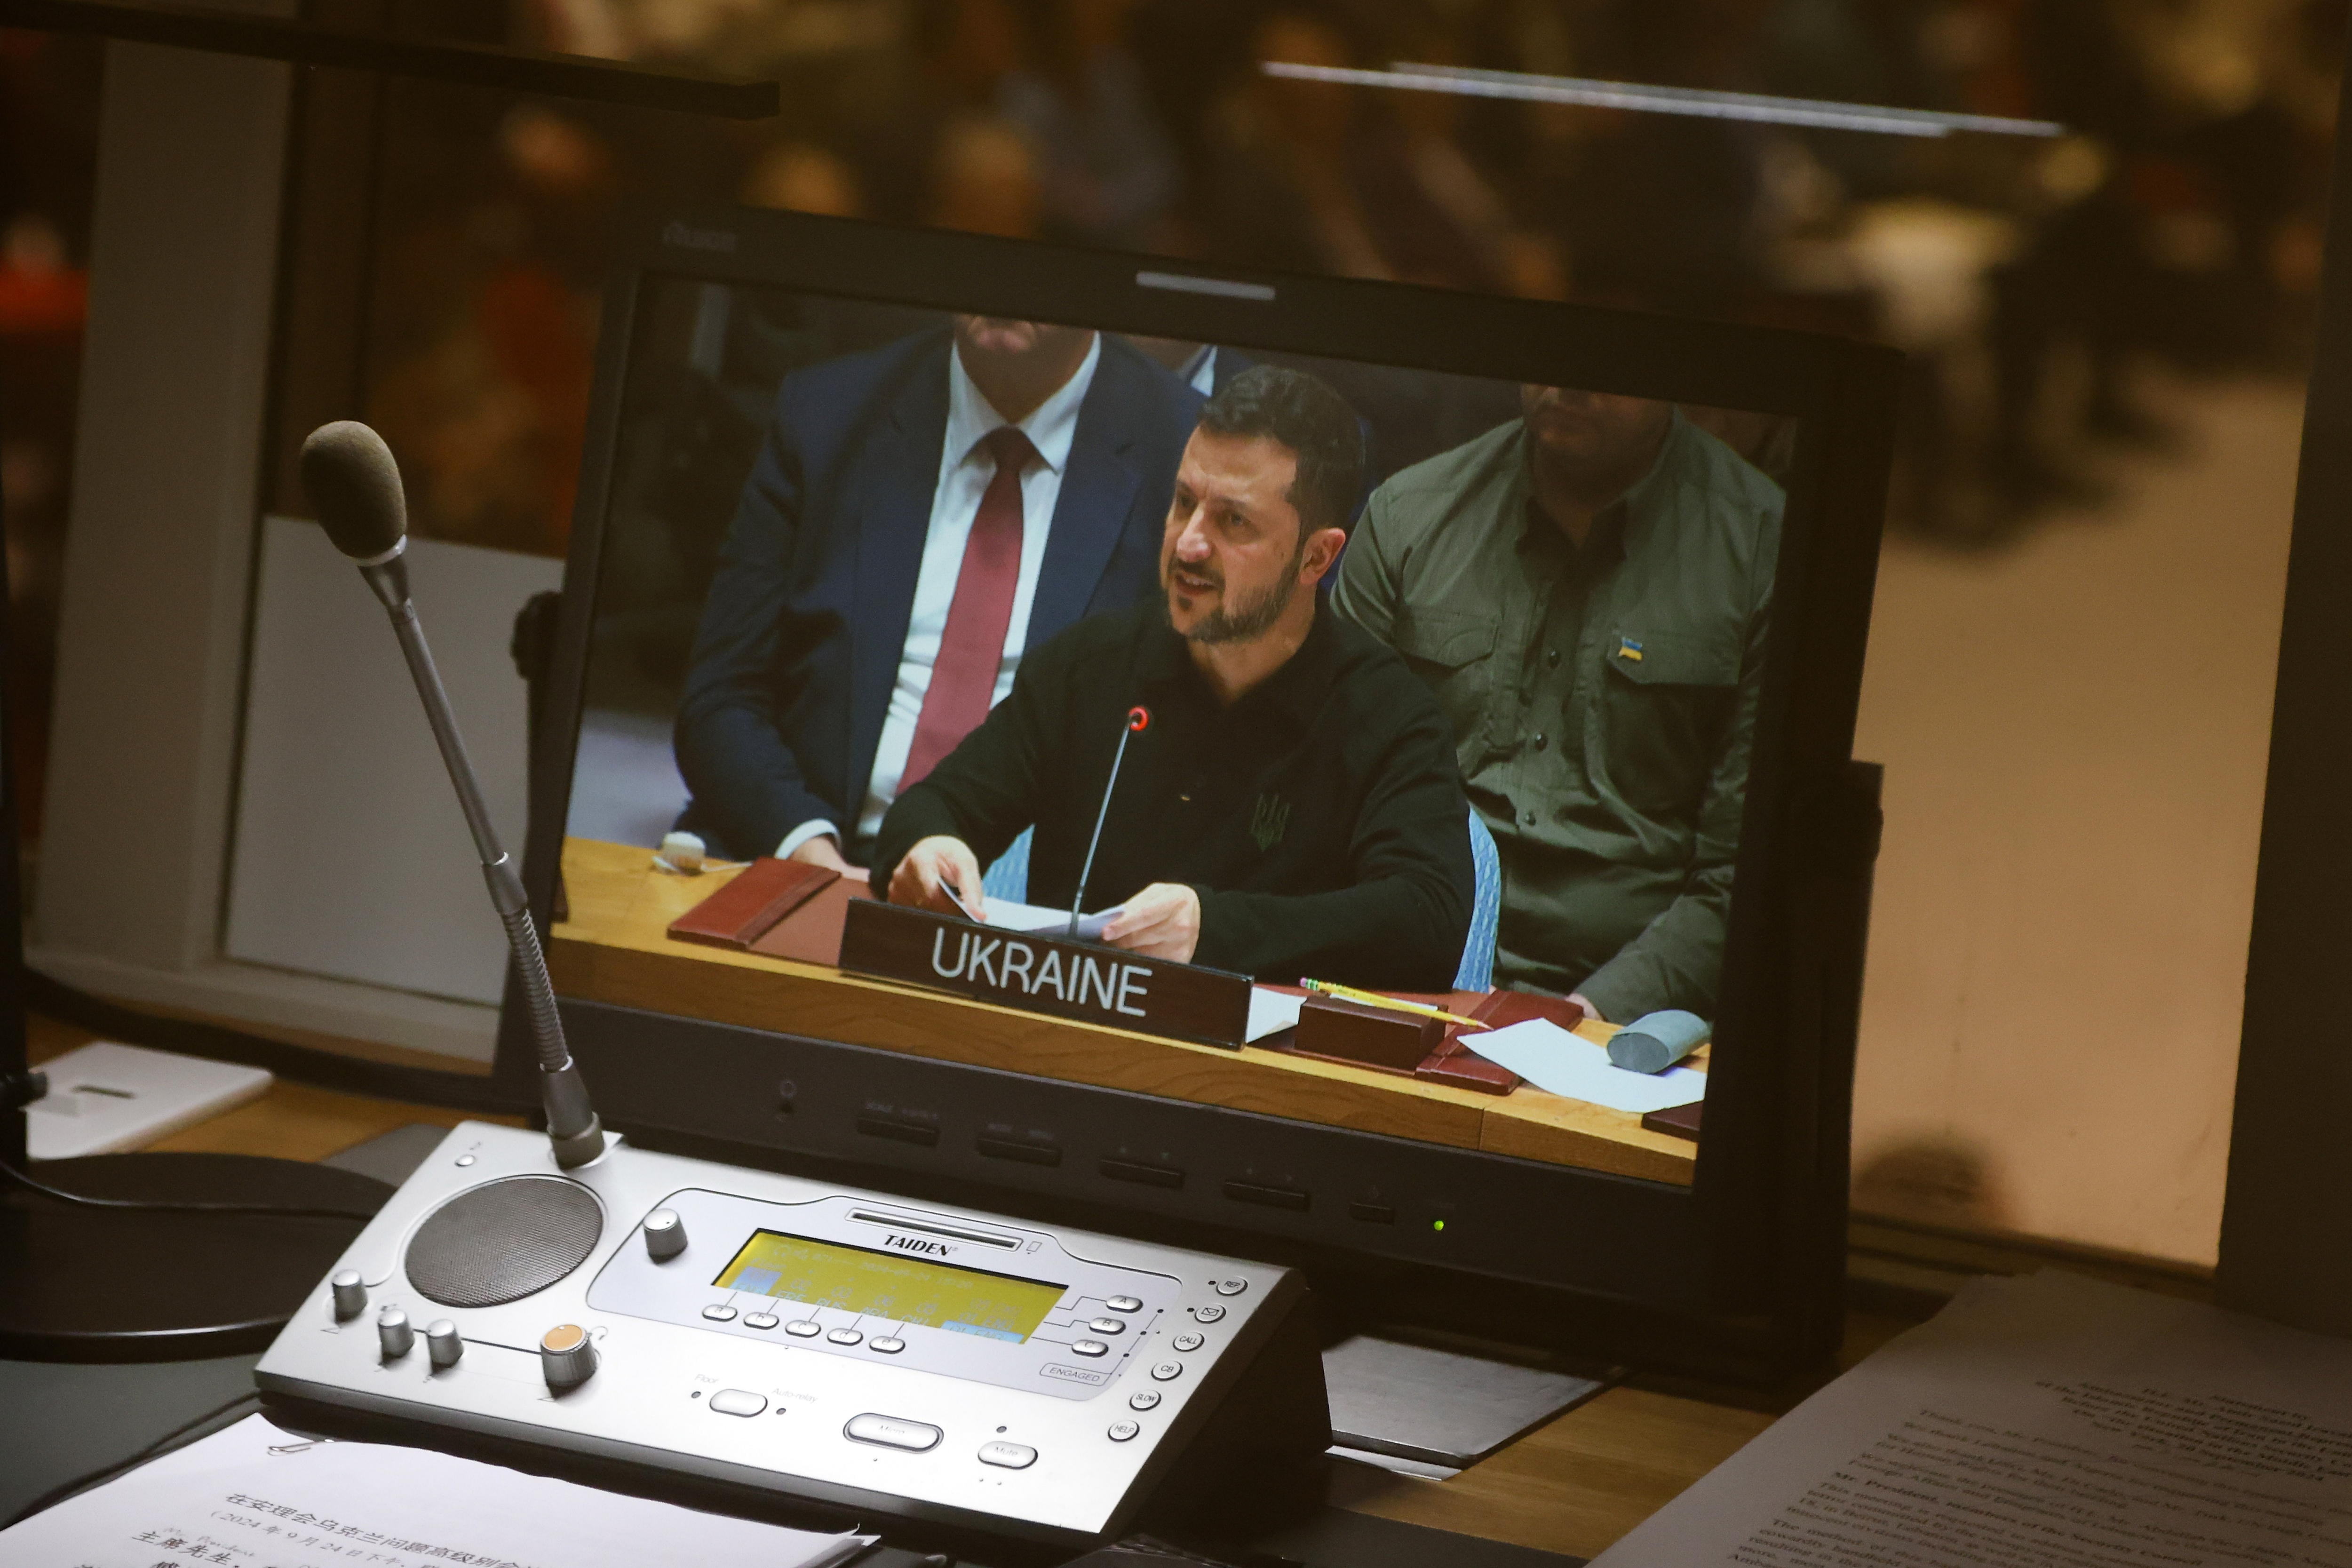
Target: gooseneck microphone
355,485
1138,719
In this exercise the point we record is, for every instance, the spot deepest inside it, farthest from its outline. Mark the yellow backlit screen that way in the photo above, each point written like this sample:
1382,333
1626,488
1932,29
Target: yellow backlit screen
880,1285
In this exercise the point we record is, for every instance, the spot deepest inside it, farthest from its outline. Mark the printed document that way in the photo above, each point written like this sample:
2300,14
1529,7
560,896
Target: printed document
253,1496
2047,1422
1562,1063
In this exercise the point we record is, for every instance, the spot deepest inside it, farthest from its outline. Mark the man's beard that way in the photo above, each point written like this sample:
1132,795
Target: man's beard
1242,619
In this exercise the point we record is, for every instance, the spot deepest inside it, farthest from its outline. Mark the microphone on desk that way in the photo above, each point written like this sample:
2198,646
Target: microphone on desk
354,483
1138,719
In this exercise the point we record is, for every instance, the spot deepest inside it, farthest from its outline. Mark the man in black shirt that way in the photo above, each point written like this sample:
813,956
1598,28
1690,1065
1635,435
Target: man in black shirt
1292,807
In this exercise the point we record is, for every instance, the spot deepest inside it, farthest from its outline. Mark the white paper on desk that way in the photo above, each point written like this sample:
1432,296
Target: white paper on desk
1039,920
2049,1420
1552,1058
256,1497
1271,1012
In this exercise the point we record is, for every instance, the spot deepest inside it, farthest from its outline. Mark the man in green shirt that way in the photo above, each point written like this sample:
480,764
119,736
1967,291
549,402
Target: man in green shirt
1587,590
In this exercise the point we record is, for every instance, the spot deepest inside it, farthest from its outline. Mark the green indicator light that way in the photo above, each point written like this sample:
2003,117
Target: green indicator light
1437,1225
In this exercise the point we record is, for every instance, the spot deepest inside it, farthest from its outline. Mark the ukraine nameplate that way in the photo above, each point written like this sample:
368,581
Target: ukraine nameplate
1079,980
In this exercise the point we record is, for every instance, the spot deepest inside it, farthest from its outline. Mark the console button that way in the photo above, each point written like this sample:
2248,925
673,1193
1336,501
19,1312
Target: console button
761,1321
442,1343
891,1432
1106,1326
738,1402
1010,1455
1168,1370
802,1329
349,1292
1234,1287
843,1337
1124,1304
1147,1175
1210,1313
888,1346
1026,1153
1371,1213
719,1314
922,1134
1143,1399
393,1332
1089,1347
1188,1341
567,1355
1120,1431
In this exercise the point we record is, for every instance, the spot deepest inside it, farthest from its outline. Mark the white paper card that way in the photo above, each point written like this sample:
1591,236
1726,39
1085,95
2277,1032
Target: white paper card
254,1496
1271,1012
1553,1059
2048,1422
1036,919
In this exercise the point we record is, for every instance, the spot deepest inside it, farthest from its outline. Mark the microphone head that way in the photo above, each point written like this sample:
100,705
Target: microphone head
354,483
1139,720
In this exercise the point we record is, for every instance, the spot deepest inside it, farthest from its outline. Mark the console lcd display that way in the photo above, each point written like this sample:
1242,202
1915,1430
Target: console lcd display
879,1285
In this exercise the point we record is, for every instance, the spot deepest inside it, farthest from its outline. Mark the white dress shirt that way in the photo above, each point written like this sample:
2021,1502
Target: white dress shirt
965,469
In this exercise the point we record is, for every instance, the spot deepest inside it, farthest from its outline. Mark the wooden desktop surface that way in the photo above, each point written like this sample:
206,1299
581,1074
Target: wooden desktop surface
616,948
1573,1484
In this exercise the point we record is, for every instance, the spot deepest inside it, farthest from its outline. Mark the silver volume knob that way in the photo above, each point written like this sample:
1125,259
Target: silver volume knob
567,1356
442,1343
349,1292
665,1235
392,1330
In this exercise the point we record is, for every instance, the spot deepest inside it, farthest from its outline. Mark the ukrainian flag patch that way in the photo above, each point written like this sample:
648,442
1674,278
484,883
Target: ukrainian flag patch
1628,649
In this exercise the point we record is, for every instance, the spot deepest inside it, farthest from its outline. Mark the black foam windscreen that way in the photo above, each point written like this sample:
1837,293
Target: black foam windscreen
355,484
504,1240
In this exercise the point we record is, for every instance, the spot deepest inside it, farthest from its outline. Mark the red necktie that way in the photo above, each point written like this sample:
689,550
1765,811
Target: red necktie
963,677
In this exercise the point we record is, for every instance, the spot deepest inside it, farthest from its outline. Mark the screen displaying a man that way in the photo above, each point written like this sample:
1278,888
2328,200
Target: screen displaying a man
918,516
1585,590
1293,806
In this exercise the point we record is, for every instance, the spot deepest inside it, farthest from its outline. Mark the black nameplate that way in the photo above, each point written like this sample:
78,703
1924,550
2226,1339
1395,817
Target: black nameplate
1047,975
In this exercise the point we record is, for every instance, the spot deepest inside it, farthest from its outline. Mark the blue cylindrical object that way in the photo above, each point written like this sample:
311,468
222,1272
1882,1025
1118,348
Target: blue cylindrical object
1657,1041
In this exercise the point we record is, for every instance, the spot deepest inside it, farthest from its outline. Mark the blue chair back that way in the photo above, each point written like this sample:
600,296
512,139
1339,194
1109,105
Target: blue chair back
1008,877
1478,971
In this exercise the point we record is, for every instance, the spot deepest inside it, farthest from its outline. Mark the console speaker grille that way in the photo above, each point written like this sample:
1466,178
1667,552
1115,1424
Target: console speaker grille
504,1240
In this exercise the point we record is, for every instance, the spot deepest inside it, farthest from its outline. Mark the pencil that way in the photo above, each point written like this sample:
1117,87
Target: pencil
1395,1004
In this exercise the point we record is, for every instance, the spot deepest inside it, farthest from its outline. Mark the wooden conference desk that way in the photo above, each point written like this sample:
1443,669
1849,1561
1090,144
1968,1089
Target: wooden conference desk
616,948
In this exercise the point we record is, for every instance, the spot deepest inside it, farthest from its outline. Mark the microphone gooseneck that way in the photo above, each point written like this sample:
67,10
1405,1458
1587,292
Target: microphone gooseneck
1138,719
352,480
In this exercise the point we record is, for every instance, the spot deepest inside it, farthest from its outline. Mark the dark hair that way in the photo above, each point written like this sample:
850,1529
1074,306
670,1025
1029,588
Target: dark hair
1302,412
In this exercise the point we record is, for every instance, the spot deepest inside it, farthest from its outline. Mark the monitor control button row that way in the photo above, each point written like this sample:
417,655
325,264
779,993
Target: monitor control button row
1123,1431
1167,1370
761,1321
1188,1341
1124,1304
843,1337
891,1432
1233,1286
887,1345
802,1329
1089,1347
718,1312
1211,1313
1106,1326
1008,1456
1144,1399
738,1402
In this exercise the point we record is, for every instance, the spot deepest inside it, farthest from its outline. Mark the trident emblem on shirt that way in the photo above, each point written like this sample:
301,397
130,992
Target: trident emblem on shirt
1269,821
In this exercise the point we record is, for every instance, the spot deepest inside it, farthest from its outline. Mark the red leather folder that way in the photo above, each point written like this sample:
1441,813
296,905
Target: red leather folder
1455,1062
747,909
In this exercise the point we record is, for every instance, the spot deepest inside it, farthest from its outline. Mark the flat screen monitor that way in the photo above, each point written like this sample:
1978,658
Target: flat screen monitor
1482,645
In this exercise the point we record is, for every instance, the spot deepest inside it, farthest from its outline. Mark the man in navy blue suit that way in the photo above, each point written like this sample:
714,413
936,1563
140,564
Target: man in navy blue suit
918,515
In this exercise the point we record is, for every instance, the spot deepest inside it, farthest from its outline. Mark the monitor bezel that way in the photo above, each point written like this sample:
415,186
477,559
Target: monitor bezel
1770,1178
